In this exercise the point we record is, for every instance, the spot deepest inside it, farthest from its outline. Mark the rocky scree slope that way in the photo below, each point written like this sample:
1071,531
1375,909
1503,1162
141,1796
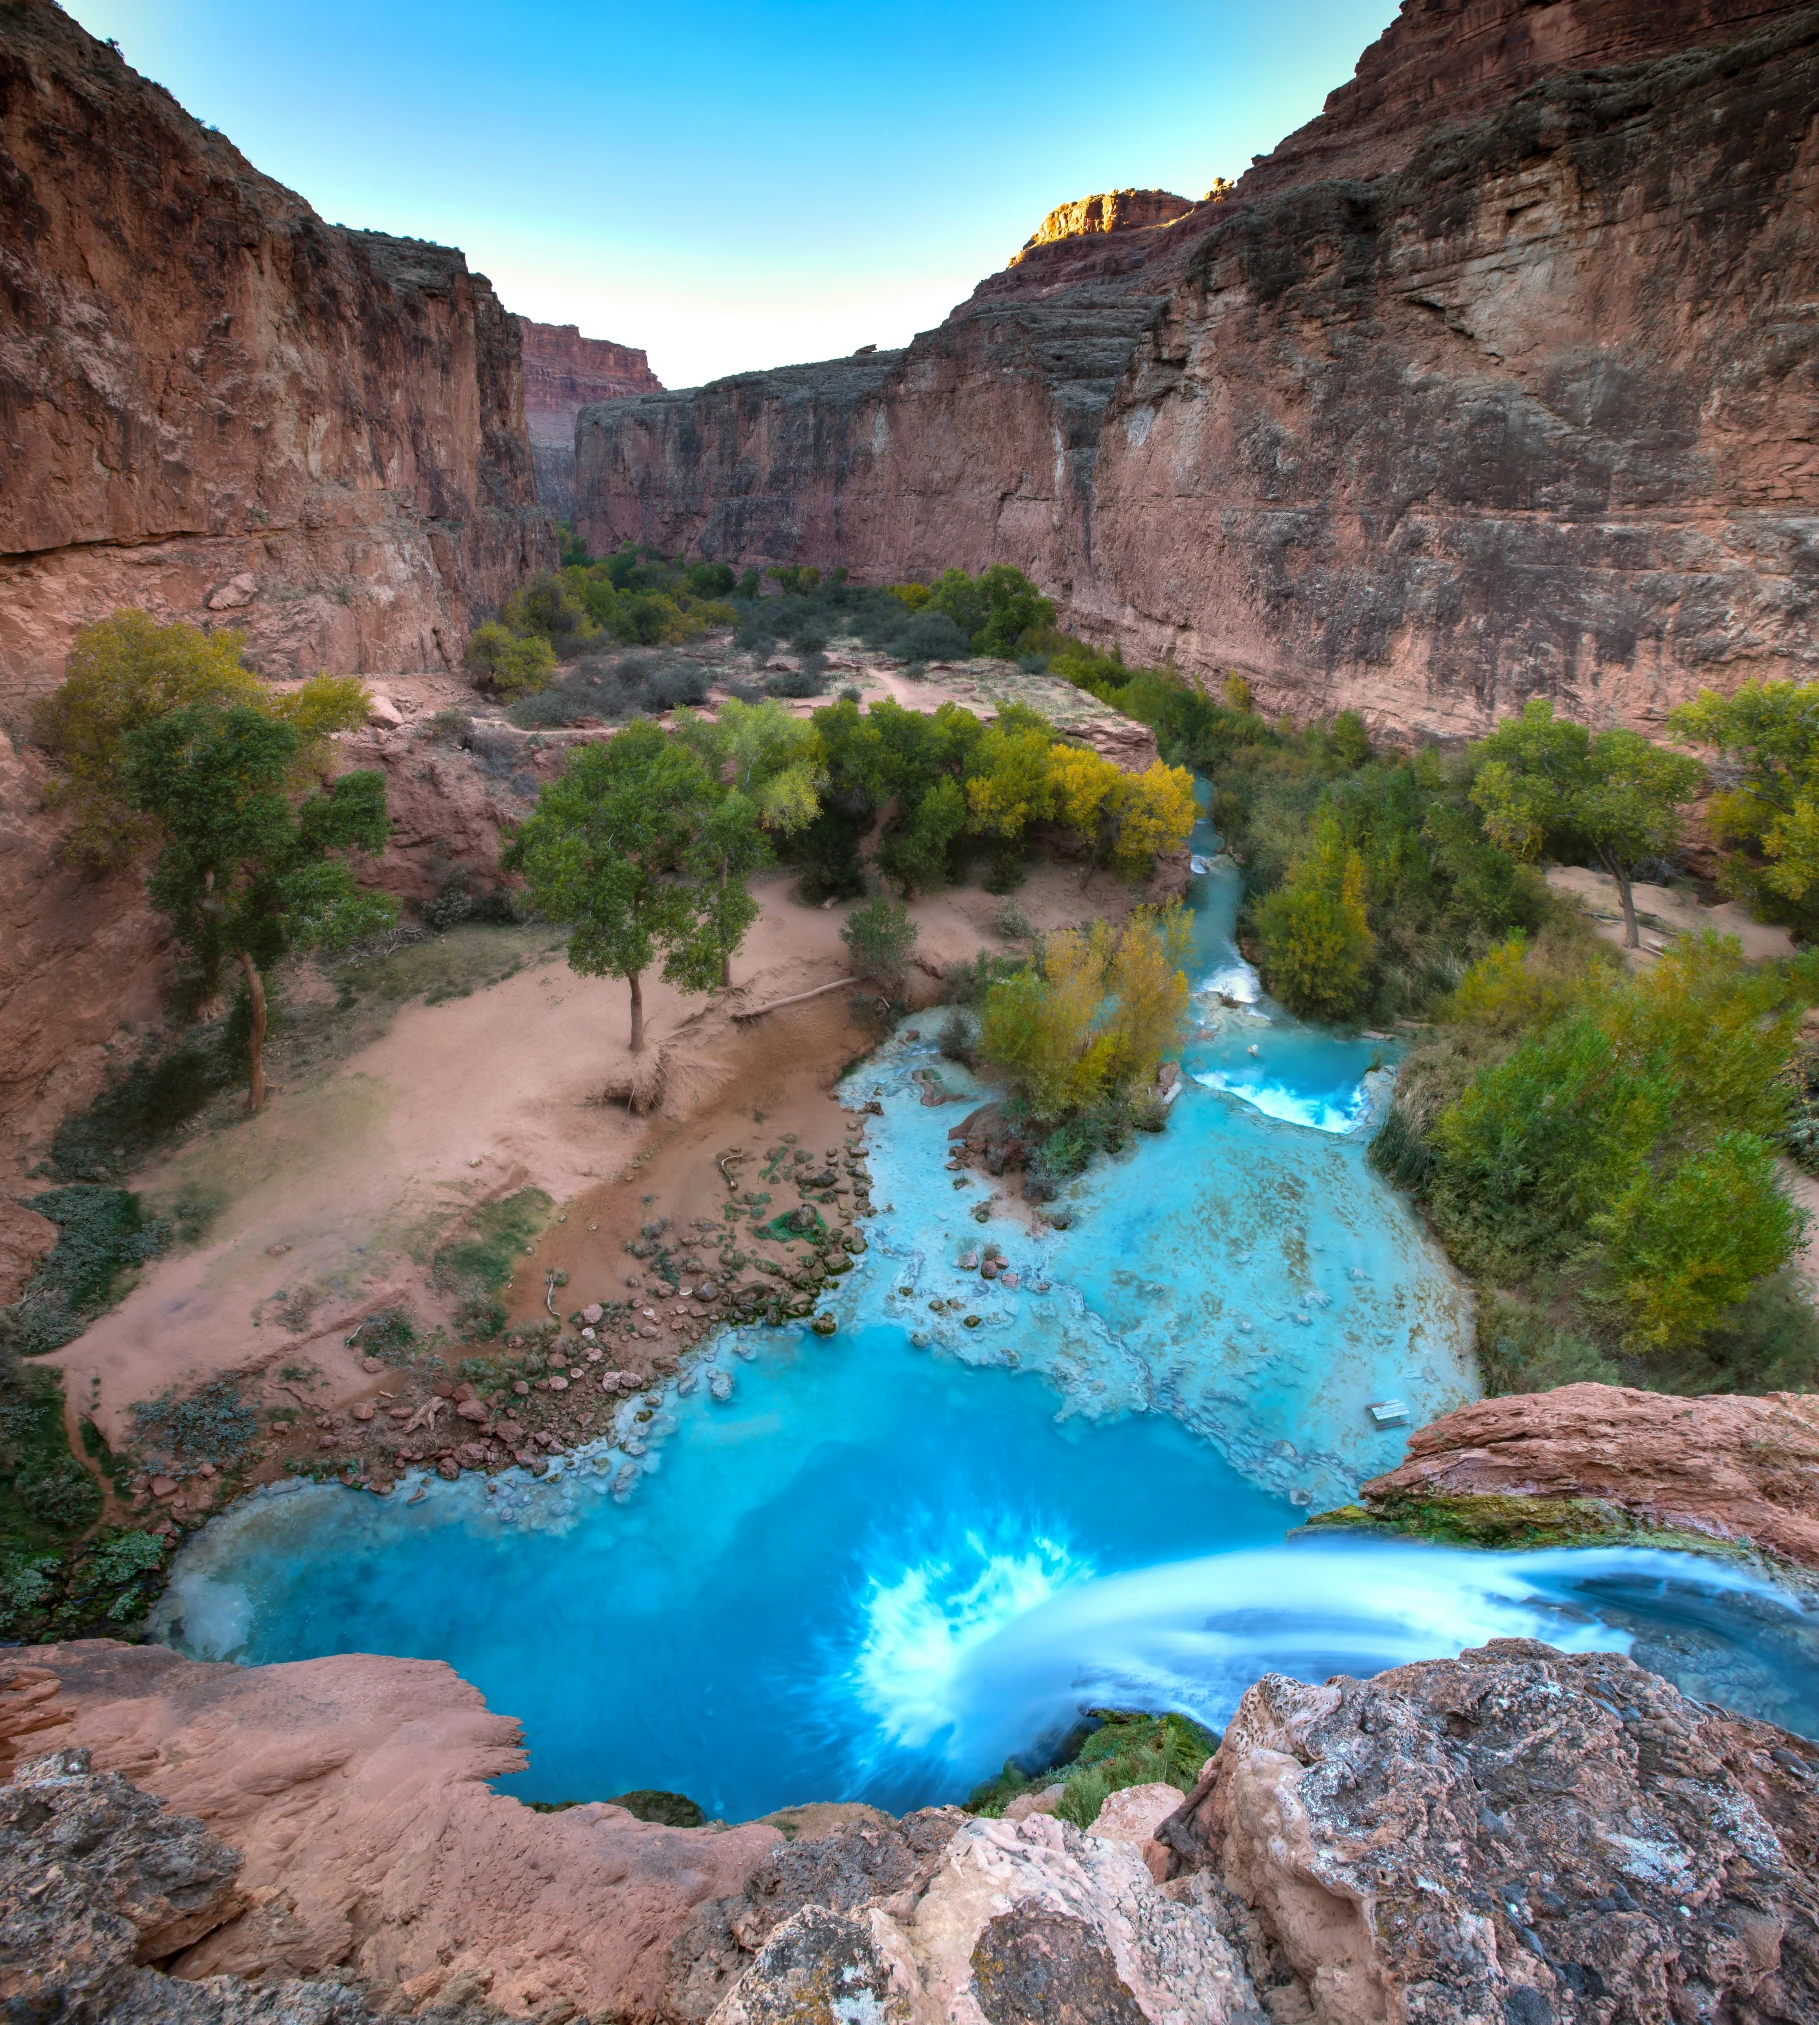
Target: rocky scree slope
222,409
1500,378
1517,1835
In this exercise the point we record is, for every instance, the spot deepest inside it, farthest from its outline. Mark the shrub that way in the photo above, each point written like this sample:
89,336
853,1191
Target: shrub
932,636
881,937
510,666
213,1422
60,1495
1684,1247
102,1233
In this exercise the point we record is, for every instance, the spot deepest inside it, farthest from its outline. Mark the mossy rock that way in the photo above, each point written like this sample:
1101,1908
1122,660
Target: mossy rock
1485,1520
826,1324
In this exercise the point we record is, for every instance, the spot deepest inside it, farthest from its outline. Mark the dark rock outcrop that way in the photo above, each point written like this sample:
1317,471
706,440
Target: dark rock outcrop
222,409
1517,1835
97,1881
1495,380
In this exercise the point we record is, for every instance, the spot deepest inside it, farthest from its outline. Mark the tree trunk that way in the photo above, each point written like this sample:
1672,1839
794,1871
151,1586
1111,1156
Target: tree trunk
255,1045
1632,935
637,988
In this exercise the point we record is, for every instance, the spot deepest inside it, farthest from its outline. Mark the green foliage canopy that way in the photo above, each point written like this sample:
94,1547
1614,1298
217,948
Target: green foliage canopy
622,847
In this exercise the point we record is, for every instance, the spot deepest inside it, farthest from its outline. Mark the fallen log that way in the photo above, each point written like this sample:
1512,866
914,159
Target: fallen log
795,998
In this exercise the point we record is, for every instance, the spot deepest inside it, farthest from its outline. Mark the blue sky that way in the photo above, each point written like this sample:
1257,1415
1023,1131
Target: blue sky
737,186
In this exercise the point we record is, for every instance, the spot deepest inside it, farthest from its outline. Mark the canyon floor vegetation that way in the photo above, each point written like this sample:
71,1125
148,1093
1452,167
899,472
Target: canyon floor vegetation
1597,1147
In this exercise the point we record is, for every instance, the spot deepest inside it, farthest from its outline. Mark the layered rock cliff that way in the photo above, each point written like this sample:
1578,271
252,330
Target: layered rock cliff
1590,1461
1498,379
218,408
563,372
222,409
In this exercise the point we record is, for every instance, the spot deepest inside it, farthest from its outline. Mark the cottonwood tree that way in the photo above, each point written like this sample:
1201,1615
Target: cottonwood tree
1767,775
623,847
125,672
1545,783
246,872
771,768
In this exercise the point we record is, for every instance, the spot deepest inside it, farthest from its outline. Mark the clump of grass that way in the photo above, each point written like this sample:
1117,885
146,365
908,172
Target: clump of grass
213,1424
479,1266
102,1234
1125,1749
388,1333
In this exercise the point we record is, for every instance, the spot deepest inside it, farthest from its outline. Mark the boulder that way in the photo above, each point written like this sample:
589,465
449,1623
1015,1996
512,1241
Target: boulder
1516,1834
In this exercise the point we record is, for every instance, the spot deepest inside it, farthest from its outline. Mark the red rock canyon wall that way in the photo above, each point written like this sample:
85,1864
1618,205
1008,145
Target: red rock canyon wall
1499,378
219,408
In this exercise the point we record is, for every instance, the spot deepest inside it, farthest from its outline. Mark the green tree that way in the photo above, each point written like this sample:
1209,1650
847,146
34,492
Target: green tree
1767,739
881,937
762,752
1545,783
995,609
511,665
1316,938
126,671
1682,1247
770,766
620,847
245,876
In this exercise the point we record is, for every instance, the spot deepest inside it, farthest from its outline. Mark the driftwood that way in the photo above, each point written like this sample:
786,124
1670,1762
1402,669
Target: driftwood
777,1004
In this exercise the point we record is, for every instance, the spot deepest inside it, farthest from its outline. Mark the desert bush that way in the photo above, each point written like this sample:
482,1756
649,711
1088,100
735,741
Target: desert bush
508,664
213,1423
882,938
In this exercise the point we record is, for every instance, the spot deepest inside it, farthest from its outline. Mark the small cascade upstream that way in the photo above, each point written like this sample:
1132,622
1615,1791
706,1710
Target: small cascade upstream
873,1566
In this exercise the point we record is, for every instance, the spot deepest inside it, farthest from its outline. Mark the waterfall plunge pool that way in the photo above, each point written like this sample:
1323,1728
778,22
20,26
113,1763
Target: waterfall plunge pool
896,1556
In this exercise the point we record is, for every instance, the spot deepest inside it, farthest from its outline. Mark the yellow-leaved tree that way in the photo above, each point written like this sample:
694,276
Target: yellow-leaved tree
126,672
1126,820
1316,937
1092,1018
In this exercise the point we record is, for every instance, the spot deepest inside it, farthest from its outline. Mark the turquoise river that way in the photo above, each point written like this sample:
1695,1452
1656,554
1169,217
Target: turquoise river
874,1565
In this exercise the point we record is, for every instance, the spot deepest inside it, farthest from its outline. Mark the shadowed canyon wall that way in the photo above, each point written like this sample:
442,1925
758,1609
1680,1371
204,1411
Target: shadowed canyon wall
1499,378
219,408
222,409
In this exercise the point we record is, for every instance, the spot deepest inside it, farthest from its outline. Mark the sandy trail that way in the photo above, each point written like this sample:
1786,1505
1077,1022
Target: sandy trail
333,1199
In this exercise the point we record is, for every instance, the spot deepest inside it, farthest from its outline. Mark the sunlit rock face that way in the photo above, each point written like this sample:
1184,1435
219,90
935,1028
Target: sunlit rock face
222,409
563,371
1492,381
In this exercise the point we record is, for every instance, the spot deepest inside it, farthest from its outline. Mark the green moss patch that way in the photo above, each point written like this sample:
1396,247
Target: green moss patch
1493,1522
1124,1749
